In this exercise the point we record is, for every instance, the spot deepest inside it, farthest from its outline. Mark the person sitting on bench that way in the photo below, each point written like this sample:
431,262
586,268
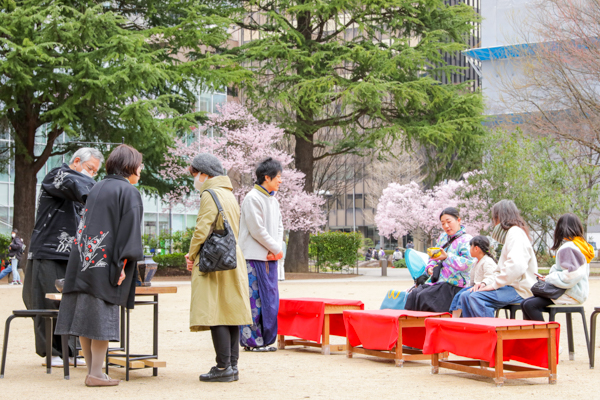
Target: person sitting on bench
571,271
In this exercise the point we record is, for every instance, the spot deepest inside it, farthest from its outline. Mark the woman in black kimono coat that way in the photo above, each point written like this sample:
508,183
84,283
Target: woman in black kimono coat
100,274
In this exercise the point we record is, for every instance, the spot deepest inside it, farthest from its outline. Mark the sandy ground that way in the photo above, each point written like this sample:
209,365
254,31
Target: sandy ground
289,374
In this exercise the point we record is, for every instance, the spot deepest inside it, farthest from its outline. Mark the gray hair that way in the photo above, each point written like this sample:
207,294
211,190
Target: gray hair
506,213
85,153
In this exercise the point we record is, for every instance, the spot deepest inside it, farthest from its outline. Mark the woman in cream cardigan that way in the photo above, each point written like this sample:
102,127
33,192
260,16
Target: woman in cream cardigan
571,271
517,266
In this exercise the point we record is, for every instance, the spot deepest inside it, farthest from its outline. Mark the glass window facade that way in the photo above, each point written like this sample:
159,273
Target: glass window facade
158,218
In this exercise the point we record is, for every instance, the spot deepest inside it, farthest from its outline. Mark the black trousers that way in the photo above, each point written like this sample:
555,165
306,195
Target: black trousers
432,298
226,340
39,280
533,307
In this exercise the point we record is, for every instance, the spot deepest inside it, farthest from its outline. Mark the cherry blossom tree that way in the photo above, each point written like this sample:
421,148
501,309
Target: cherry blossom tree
410,208
241,142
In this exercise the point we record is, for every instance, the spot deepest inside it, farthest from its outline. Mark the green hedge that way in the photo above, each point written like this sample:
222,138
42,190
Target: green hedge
175,260
5,241
400,263
335,250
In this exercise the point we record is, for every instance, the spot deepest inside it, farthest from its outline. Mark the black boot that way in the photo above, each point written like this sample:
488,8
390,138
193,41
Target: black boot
236,373
218,375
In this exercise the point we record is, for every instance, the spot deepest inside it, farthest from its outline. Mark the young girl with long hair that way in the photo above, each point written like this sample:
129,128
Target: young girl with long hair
485,267
571,271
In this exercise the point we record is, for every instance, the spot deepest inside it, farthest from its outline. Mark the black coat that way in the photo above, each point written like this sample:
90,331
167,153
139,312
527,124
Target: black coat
109,232
16,248
62,197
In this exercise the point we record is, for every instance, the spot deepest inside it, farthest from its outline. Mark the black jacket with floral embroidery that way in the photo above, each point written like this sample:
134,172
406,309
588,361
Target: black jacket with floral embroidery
109,232
62,198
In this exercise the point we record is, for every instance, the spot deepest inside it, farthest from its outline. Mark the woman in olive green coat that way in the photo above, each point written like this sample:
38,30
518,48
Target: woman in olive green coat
220,300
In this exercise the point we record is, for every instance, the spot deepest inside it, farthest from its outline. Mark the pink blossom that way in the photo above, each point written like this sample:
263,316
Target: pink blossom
241,142
408,208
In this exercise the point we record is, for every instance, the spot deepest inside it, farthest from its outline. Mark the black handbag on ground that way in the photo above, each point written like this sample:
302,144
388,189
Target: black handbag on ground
219,251
544,289
435,276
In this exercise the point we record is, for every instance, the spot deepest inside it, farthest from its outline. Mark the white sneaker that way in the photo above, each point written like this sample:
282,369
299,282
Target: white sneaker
55,362
80,362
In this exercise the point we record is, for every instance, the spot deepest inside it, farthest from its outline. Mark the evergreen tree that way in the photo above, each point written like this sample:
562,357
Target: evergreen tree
368,69
99,72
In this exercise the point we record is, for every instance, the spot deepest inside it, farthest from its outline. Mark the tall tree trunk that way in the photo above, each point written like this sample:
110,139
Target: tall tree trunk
24,197
296,259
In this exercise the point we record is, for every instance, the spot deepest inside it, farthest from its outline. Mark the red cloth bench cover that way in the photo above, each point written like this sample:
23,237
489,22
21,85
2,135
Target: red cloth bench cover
303,317
378,329
476,338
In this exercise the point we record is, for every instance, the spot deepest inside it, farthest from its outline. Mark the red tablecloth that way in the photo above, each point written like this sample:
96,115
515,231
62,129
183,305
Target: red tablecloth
378,329
303,317
476,338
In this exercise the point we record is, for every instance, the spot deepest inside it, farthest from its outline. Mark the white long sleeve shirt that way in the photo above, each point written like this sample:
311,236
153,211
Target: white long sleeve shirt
517,265
261,226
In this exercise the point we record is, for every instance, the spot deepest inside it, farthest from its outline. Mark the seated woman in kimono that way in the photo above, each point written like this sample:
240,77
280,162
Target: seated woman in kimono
448,271
101,269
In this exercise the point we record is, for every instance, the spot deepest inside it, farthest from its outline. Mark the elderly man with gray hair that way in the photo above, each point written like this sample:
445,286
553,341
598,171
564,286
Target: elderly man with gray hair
62,200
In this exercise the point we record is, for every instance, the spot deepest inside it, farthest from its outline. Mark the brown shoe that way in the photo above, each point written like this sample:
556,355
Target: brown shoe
92,381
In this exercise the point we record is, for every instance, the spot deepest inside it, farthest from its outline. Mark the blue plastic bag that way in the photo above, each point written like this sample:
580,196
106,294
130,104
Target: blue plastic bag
395,300
416,262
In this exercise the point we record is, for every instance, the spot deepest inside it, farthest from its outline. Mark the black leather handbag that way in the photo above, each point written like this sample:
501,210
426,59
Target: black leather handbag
218,253
543,289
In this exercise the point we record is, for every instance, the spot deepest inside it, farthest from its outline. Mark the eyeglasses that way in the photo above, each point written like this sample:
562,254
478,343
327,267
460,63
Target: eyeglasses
91,170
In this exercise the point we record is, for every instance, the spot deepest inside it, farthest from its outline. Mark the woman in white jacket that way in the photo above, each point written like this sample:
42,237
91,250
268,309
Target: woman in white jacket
571,271
517,266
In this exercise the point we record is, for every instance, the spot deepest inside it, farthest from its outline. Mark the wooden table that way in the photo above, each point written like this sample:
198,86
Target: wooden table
384,333
121,356
531,342
302,317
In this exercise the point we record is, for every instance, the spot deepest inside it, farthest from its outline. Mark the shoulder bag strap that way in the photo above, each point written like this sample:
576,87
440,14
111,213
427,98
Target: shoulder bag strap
218,203
435,276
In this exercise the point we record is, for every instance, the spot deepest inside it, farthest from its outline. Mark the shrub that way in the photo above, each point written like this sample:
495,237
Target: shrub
400,263
335,250
175,260
5,241
182,239
545,260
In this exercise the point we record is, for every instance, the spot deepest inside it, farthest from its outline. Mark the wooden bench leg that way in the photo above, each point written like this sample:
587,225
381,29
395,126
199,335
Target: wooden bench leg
499,369
399,358
348,348
325,349
281,342
435,363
